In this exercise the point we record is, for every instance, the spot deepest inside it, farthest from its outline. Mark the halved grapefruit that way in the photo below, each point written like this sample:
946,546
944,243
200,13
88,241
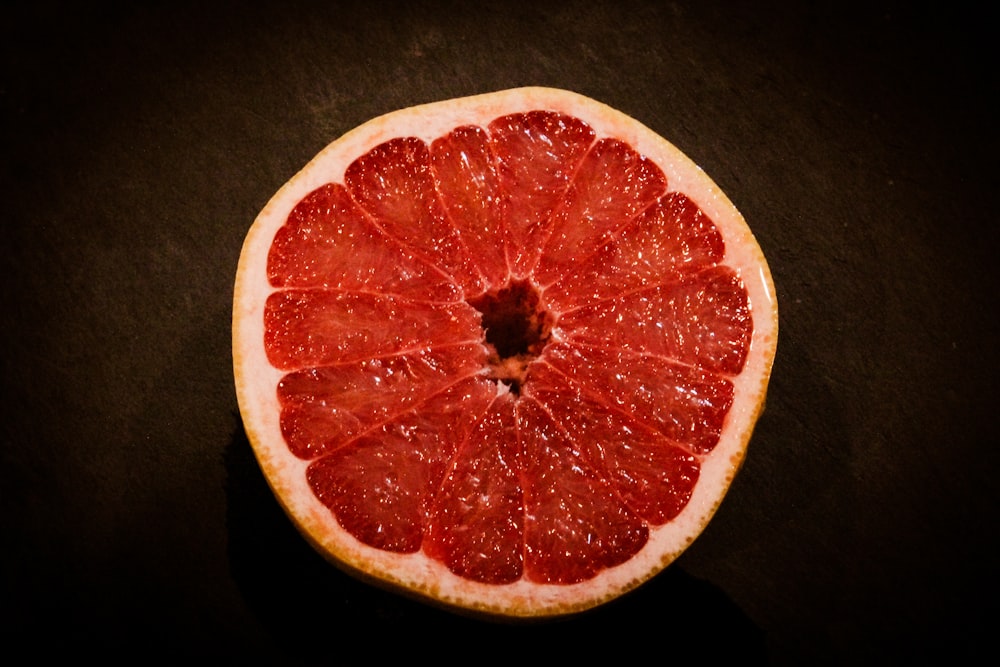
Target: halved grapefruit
503,353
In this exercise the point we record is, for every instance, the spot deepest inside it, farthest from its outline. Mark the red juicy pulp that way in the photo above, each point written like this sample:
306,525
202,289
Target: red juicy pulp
388,391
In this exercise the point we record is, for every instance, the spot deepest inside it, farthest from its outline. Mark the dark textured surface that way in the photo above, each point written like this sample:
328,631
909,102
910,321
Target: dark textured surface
139,144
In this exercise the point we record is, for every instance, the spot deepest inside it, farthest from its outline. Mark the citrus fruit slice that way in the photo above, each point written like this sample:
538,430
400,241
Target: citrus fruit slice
504,352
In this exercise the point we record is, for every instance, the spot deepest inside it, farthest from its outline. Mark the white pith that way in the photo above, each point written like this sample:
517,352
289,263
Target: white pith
256,379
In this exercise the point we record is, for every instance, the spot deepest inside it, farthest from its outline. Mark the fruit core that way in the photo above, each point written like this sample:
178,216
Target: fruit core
516,328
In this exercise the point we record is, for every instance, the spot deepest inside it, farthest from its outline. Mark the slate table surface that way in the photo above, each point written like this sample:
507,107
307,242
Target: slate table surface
139,143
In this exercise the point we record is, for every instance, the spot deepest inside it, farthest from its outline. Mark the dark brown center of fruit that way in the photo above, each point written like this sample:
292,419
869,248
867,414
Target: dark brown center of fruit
517,328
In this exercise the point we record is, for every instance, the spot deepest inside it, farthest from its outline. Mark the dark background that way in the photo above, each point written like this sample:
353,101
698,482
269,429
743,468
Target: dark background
139,143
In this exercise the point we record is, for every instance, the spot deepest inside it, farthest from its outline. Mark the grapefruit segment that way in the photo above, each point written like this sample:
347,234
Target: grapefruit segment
684,403
702,320
326,407
308,328
653,476
669,239
469,187
504,353
380,488
394,183
476,525
329,242
575,524
377,490
611,186
538,152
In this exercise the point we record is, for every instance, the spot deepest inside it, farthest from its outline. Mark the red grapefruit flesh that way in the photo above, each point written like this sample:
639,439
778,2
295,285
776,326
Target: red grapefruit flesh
503,353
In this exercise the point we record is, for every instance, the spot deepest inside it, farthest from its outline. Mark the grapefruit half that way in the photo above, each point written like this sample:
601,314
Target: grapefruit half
503,353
